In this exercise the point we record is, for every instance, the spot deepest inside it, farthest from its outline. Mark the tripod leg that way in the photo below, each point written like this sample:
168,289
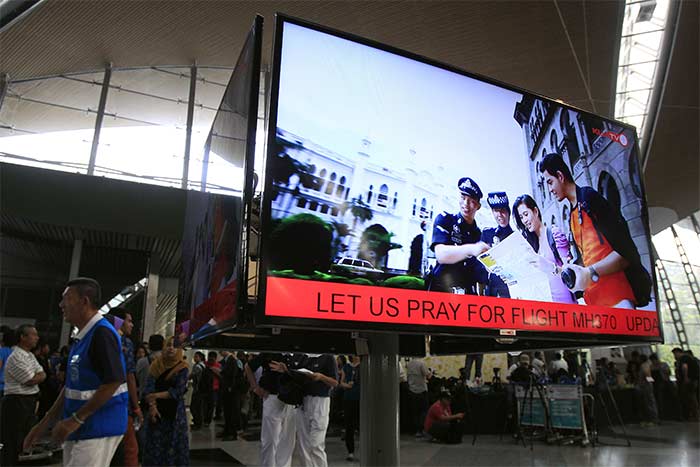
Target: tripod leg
547,419
532,421
473,420
607,413
520,418
619,416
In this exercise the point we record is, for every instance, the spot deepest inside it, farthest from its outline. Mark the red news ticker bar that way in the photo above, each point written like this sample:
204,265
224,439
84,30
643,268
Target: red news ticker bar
296,298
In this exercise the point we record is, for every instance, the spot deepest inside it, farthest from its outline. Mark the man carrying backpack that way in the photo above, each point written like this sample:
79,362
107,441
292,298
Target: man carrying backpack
229,391
609,270
278,430
196,403
321,374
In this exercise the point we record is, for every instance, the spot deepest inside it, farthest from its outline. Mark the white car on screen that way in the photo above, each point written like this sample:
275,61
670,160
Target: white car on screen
358,266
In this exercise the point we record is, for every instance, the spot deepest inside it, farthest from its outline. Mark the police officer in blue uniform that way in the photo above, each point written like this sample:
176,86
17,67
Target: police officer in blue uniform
456,242
498,202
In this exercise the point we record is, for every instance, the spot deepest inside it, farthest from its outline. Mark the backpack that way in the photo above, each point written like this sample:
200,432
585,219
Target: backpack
206,381
241,384
197,377
291,390
617,233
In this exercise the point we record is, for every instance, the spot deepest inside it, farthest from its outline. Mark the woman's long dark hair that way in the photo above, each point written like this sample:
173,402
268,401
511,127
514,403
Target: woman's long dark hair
530,203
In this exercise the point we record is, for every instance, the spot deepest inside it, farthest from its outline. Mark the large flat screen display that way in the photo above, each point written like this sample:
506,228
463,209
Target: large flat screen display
213,279
405,195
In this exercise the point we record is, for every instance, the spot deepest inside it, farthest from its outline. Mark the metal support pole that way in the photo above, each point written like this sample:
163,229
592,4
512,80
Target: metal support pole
4,86
688,269
205,163
696,225
190,118
99,118
379,401
676,316
74,271
151,303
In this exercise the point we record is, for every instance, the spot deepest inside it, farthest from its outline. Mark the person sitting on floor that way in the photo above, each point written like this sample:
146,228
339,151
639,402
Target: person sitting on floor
441,424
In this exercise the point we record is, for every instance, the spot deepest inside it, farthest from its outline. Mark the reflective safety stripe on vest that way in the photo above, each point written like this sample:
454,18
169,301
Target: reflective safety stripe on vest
86,395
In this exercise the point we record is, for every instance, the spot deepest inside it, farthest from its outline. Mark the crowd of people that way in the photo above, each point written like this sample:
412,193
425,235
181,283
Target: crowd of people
437,406
107,401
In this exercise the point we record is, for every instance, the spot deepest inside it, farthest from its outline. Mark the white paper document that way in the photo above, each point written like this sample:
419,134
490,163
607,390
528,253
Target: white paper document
514,260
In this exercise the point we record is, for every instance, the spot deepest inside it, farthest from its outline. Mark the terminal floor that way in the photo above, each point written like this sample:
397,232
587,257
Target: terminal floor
670,444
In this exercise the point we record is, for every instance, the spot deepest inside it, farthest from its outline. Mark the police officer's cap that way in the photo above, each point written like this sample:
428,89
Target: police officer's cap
468,187
498,200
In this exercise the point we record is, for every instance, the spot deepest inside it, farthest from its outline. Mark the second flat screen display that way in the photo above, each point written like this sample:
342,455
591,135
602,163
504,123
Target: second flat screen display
401,193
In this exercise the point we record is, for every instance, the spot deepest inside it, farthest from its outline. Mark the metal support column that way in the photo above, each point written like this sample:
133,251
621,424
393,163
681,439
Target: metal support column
696,225
672,303
72,274
190,118
4,86
205,163
151,303
99,118
379,401
689,273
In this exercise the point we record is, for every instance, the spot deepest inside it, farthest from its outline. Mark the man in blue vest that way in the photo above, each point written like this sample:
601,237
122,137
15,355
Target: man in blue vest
92,408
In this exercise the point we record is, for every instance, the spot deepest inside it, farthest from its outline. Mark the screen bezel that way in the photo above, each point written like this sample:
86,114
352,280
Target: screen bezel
263,320
243,233
249,167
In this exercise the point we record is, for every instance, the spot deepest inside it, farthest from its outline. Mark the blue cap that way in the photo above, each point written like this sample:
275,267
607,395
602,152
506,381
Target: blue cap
468,187
498,200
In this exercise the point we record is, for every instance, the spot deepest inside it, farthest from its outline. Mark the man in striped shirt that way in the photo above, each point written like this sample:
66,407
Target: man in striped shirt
22,377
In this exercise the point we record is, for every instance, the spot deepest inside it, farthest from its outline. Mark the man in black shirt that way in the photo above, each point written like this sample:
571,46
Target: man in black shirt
687,376
278,430
230,398
456,242
312,417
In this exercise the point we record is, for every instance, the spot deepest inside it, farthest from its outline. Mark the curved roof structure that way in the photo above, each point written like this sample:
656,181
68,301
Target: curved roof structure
565,50
53,55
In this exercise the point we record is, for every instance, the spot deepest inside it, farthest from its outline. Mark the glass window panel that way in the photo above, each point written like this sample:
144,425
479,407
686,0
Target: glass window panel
693,334
221,174
143,135
666,246
689,239
635,121
50,120
635,99
670,335
211,84
203,118
644,71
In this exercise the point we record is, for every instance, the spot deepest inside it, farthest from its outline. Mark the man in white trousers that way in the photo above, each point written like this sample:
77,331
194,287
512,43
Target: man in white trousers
278,430
312,416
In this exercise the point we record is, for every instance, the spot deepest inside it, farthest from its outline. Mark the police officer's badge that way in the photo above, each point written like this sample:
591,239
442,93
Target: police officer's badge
456,235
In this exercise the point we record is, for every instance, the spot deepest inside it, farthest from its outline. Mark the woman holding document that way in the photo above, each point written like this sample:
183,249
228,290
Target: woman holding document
548,242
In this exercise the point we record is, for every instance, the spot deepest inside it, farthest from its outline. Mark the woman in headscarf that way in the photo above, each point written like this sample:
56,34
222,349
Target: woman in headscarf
166,424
